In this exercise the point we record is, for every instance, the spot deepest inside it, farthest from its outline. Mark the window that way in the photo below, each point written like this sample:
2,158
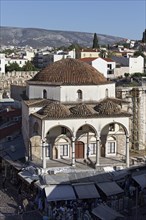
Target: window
111,148
63,130
109,66
64,150
92,148
80,95
112,127
44,94
106,93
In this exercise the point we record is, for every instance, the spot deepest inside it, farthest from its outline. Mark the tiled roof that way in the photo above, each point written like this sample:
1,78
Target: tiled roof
70,72
56,110
82,109
107,107
88,59
108,59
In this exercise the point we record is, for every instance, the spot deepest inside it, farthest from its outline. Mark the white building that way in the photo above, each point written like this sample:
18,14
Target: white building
20,61
72,109
105,66
2,63
128,65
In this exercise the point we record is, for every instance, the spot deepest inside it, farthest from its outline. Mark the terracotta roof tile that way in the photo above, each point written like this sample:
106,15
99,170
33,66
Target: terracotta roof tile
70,72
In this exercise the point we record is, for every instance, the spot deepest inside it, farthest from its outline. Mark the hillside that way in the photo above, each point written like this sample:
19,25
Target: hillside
38,38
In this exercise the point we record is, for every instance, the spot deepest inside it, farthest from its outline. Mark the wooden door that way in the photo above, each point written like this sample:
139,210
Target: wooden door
79,149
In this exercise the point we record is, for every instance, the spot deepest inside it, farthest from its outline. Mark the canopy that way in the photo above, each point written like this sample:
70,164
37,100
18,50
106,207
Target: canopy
104,212
59,192
141,180
110,188
27,176
86,191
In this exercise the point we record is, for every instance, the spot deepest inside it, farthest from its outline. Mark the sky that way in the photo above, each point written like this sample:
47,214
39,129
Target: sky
122,18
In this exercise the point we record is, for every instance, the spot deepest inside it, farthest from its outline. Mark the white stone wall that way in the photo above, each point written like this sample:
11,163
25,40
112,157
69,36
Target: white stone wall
70,94
121,71
36,91
101,65
136,64
90,93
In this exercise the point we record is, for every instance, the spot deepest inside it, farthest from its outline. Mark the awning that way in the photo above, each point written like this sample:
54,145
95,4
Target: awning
86,191
59,192
110,188
104,212
27,176
141,180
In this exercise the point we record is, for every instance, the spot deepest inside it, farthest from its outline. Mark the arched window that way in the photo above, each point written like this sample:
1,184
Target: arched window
80,95
106,93
44,94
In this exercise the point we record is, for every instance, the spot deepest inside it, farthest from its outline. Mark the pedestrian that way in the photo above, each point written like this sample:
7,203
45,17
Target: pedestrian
20,210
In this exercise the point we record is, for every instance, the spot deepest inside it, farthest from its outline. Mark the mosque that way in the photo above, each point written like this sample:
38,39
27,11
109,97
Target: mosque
70,112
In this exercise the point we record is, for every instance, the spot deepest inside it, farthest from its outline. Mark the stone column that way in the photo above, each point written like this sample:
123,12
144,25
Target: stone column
44,154
97,151
73,152
127,150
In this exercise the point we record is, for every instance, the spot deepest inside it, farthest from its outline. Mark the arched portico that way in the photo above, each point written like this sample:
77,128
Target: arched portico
58,139
114,141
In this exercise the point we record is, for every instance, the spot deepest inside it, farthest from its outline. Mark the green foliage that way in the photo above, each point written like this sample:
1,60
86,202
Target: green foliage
139,75
126,75
13,67
102,53
29,67
95,41
139,53
8,51
74,46
144,37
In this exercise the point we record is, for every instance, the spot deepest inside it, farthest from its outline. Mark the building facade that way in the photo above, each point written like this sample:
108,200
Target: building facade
70,112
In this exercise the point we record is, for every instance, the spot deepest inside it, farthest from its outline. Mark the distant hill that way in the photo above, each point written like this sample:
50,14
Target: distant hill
38,38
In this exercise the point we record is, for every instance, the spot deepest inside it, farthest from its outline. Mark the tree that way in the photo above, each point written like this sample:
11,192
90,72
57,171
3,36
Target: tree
95,41
144,37
139,53
29,67
103,53
13,67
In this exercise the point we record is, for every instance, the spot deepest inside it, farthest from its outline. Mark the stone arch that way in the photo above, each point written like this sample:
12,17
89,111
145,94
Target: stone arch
118,132
53,137
85,134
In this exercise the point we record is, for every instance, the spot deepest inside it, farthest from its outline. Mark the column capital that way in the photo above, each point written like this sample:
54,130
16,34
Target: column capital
97,138
73,138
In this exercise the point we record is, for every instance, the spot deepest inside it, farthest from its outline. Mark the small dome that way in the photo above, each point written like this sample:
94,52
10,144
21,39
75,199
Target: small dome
70,72
55,110
82,109
107,107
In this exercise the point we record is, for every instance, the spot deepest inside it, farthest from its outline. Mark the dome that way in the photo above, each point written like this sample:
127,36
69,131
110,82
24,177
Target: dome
55,110
82,109
107,107
70,72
